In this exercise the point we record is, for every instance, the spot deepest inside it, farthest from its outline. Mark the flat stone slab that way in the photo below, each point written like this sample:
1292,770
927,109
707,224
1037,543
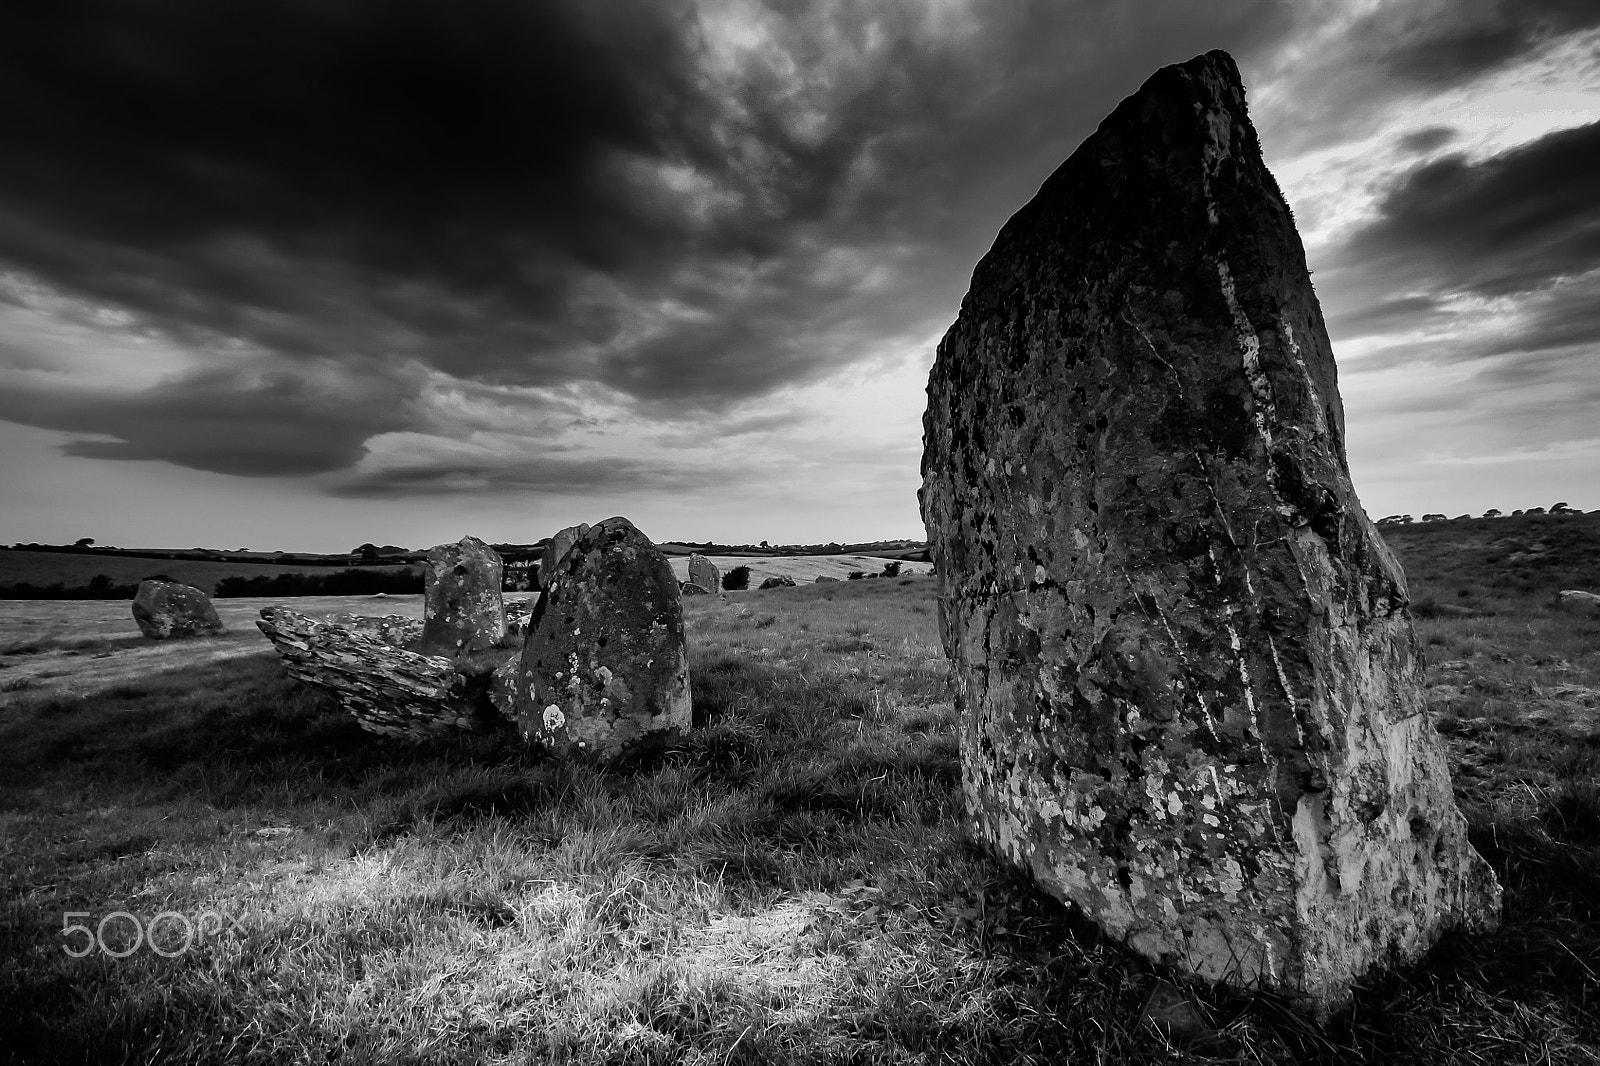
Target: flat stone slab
390,690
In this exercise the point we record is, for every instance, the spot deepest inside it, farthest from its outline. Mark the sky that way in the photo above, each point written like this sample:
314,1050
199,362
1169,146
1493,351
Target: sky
299,274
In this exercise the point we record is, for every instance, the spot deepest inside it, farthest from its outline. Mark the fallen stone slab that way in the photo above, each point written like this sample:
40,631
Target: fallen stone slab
390,690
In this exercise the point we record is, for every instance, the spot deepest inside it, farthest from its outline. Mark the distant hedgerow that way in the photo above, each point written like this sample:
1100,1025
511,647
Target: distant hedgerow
340,583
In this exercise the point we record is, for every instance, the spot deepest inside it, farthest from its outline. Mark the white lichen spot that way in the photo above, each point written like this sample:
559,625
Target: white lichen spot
553,718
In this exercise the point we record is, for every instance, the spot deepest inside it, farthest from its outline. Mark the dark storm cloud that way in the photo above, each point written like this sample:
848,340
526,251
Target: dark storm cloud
297,173
1523,225
267,424
1409,49
1428,138
1444,46
1372,315
546,472
532,194
1503,225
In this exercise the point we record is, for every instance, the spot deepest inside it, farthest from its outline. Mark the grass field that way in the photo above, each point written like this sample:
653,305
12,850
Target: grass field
802,569
794,886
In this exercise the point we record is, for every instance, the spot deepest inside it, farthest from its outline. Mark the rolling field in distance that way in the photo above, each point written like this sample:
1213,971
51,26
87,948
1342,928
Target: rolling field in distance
795,885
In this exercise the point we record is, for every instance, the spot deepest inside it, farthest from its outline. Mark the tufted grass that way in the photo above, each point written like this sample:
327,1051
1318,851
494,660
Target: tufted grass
795,885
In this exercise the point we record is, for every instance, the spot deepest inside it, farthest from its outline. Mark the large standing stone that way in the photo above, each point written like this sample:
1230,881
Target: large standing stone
605,671
556,550
164,609
704,572
464,612
1190,692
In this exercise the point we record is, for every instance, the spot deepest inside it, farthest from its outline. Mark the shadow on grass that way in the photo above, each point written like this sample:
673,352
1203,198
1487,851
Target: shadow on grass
799,784
239,717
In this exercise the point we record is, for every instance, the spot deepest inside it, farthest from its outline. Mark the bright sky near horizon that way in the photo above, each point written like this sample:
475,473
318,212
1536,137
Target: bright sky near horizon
298,276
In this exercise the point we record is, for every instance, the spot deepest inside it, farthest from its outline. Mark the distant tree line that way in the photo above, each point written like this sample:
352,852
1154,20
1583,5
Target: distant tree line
340,583
1494,512
100,587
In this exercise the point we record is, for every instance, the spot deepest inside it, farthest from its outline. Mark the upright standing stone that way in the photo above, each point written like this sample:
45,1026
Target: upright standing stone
605,670
556,550
464,611
704,572
1190,692
165,609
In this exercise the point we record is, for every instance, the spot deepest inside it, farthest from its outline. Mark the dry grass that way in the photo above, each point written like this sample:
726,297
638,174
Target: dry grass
794,886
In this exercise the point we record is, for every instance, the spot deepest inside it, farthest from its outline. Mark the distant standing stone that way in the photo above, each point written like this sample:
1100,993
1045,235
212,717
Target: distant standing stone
605,671
166,609
1190,693
704,572
824,577
780,582
463,612
1575,600
518,614
557,550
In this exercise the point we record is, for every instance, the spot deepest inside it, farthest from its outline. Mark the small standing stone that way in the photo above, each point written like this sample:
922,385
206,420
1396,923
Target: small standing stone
704,572
464,612
605,670
1578,600
166,609
782,581
557,550
689,588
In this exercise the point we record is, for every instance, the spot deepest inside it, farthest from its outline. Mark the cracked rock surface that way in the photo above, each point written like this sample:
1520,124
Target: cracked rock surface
604,673
1190,693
